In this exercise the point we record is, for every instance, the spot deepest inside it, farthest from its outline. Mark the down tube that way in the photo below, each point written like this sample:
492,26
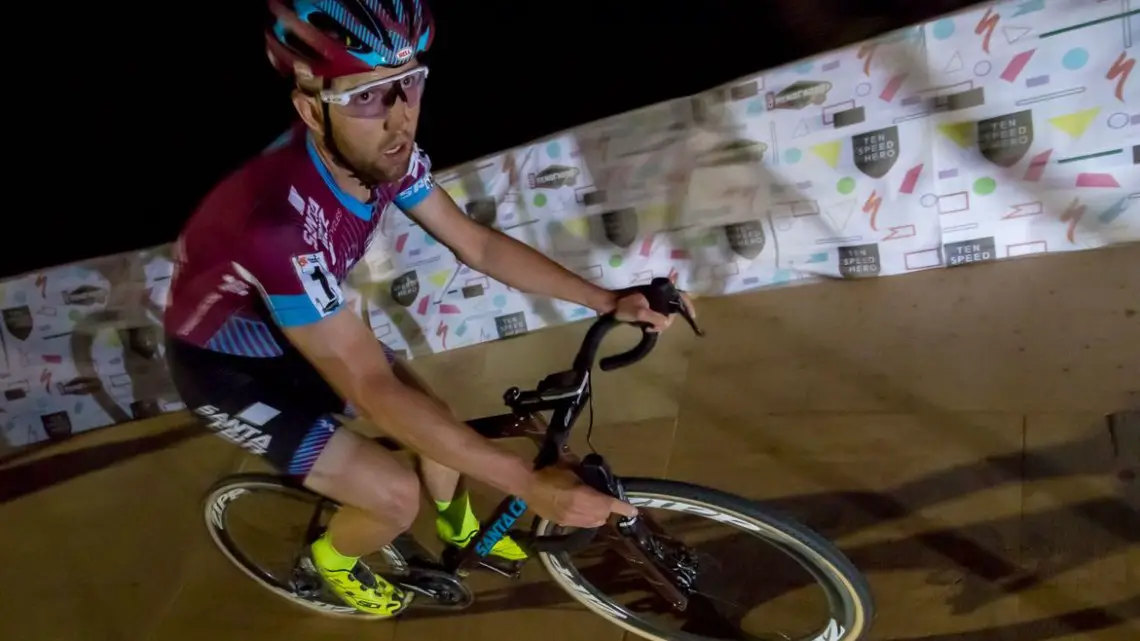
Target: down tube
508,512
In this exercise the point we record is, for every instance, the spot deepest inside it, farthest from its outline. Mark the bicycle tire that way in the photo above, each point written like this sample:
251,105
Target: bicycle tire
847,589
217,500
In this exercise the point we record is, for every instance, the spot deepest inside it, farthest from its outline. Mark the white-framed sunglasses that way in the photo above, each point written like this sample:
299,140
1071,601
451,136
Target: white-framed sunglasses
373,99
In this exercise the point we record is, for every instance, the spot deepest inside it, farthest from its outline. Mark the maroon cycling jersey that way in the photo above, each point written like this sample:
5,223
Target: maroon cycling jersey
271,245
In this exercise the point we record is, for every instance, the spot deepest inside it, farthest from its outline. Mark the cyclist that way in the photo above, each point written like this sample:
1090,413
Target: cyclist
262,346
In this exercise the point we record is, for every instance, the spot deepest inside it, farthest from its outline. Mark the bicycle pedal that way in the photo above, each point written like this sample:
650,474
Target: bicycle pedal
509,569
497,565
305,580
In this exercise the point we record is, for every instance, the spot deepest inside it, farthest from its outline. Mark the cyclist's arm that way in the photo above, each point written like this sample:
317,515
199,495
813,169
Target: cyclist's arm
350,358
308,305
503,258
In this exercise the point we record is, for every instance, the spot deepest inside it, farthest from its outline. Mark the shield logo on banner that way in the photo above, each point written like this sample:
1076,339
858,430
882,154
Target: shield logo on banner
876,151
511,325
859,261
620,226
746,239
18,320
144,341
145,409
57,425
482,211
406,289
1004,140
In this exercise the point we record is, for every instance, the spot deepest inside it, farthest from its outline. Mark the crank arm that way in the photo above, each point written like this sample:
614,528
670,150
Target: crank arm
418,582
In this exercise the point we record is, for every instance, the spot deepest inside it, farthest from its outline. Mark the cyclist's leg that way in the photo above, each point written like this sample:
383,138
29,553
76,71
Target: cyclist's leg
441,481
379,499
456,522
381,496
276,408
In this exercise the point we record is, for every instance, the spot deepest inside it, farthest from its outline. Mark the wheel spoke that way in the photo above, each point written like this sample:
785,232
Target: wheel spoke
847,606
702,618
241,491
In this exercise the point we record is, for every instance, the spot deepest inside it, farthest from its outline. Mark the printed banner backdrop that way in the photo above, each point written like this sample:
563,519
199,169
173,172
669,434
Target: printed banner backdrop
1008,130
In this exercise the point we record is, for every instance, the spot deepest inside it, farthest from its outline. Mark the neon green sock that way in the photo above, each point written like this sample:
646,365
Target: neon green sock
458,515
326,556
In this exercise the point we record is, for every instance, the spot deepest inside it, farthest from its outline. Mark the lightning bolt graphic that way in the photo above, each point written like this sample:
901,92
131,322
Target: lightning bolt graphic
987,25
902,231
867,54
41,282
1122,68
872,207
442,331
1022,210
1073,215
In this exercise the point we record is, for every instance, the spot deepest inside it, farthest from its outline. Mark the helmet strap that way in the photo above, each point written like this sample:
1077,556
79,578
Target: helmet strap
338,157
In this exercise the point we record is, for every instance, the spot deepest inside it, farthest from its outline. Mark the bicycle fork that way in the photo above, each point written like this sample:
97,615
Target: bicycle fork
633,538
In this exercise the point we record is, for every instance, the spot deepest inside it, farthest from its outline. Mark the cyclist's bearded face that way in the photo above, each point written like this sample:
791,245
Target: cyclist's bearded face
374,132
377,149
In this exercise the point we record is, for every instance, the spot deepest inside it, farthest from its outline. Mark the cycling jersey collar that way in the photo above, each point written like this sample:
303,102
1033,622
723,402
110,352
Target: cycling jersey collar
361,210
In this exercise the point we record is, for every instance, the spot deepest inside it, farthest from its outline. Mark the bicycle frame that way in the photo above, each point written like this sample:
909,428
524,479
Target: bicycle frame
565,394
550,439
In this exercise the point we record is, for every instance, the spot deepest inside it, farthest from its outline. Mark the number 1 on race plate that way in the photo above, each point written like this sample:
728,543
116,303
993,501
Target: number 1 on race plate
319,283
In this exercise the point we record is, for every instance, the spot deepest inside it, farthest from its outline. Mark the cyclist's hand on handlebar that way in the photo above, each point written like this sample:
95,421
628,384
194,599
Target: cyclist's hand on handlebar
688,303
560,496
633,307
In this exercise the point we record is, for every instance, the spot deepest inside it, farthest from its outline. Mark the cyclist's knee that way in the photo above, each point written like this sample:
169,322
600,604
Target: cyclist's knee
360,473
388,490
399,500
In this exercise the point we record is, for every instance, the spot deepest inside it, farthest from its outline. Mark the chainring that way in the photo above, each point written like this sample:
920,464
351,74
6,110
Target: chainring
434,589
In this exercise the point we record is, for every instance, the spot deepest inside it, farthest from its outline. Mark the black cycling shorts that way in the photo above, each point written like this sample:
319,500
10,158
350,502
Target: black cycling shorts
280,408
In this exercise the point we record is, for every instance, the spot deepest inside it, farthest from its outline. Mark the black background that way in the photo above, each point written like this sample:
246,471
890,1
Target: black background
140,107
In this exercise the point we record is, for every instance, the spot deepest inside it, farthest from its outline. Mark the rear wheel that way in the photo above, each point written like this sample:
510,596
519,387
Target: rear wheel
261,523
757,542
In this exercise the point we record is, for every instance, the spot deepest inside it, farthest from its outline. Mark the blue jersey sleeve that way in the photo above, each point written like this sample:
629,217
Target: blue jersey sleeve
418,184
297,284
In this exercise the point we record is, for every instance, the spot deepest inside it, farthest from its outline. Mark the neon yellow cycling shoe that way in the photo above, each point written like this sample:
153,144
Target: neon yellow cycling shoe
355,584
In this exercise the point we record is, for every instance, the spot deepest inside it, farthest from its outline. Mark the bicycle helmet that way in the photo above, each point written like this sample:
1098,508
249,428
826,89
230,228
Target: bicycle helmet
332,38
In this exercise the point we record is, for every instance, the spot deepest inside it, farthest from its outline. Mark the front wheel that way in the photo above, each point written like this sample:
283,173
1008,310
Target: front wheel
757,546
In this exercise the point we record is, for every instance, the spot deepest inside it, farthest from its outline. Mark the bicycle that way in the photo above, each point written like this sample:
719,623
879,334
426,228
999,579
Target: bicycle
669,567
